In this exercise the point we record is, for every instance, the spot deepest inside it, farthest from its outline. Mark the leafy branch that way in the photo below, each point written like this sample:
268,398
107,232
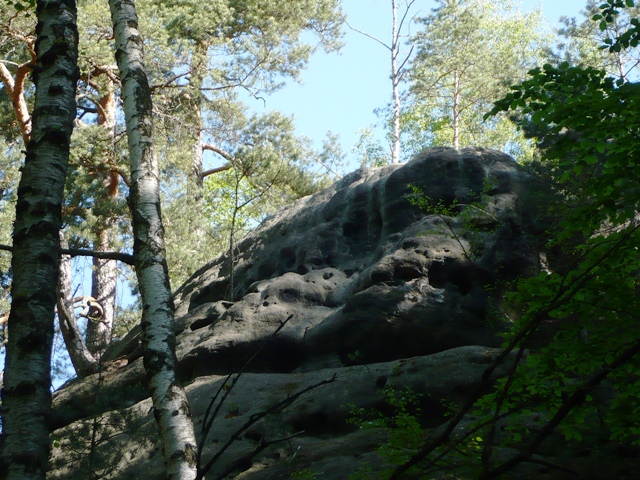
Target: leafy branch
447,214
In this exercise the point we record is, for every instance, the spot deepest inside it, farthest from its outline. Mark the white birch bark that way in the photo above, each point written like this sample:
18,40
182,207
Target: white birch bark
456,109
398,68
26,393
172,411
395,84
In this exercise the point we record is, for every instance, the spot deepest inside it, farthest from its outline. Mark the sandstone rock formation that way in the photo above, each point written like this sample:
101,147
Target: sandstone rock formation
374,292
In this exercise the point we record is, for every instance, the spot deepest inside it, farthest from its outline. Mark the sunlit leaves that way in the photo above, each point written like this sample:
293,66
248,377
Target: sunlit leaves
588,304
468,51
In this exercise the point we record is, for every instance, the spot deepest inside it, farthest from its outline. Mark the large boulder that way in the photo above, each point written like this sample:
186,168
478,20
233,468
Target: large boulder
366,289
360,270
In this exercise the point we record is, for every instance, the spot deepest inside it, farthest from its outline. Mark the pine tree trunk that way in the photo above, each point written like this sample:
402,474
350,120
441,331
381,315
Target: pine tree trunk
104,276
198,70
103,288
83,361
169,399
26,394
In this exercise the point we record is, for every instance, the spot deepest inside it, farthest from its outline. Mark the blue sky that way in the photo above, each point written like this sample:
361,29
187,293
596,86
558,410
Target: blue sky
340,91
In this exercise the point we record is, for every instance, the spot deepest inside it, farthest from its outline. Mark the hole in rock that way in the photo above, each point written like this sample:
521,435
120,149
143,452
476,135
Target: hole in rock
451,272
203,322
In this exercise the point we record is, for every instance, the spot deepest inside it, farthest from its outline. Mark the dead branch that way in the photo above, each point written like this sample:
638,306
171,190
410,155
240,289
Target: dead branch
79,252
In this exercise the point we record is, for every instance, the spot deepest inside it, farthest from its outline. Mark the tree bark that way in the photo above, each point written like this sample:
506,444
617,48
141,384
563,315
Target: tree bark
397,69
395,83
456,109
104,278
104,275
83,361
26,393
196,80
15,90
170,403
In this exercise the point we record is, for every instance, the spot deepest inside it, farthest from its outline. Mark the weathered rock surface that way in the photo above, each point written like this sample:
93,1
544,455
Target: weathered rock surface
325,442
374,292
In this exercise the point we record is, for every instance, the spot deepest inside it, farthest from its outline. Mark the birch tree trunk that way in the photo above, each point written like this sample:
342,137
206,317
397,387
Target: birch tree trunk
169,399
26,394
456,109
398,67
395,84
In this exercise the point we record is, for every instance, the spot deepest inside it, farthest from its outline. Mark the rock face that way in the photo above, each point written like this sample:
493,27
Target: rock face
374,292
361,270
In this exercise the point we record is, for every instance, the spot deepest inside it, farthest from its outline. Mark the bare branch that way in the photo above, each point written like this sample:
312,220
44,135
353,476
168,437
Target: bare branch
401,70
406,12
79,252
15,90
212,171
226,387
277,408
249,456
9,62
210,417
375,39
86,109
108,70
327,167
218,150
123,174
169,81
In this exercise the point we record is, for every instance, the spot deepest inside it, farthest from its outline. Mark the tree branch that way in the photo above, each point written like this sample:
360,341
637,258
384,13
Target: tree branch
567,406
407,9
15,90
566,292
375,39
211,171
218,150
248,457
222,153
169,81
78,252
277,408
401,69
